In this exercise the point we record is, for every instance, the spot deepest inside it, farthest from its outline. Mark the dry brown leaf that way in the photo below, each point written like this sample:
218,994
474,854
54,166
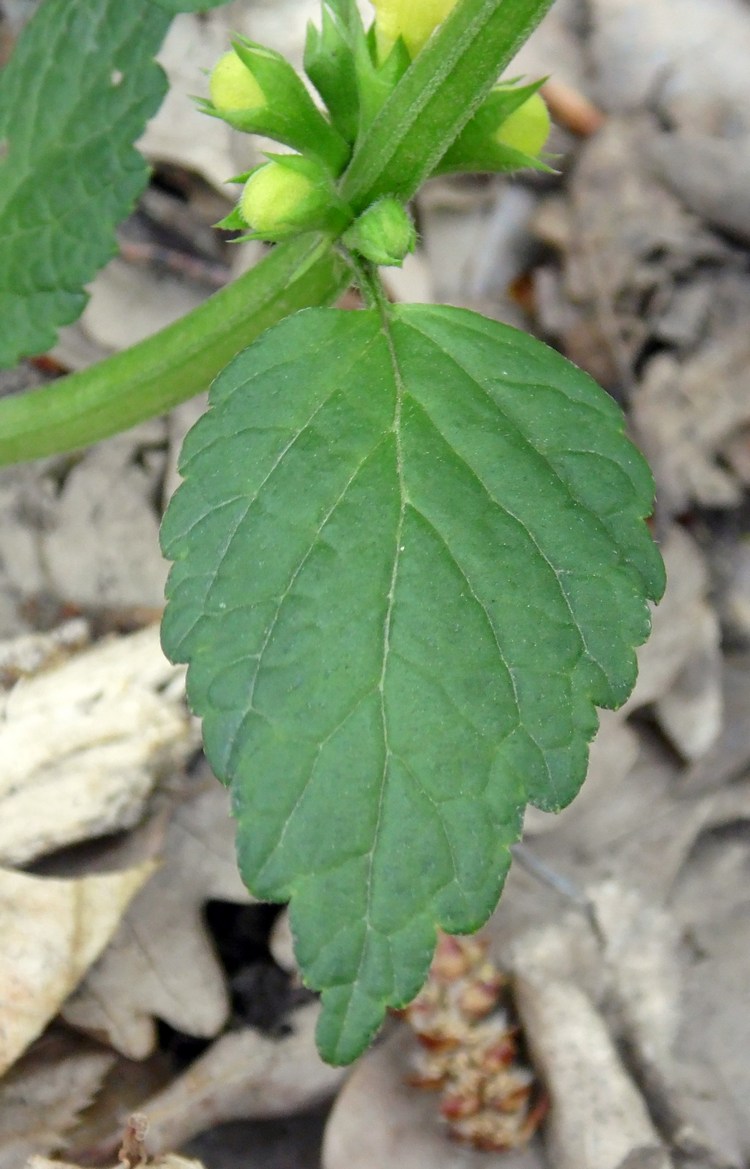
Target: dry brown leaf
243,1076
82,744
125,1086
627,242
380,1120
161,962
41,1096
52,931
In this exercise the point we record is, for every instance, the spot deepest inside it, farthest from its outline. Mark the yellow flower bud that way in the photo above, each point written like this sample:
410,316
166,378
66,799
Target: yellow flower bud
277,199
414,20
233,87
527,128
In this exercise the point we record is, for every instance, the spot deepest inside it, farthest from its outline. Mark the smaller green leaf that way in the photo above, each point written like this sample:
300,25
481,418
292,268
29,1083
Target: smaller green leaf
410,561
76,94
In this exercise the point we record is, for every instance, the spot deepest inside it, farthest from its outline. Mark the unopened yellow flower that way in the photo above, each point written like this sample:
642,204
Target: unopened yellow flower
414,20
276,198
233,86
527,128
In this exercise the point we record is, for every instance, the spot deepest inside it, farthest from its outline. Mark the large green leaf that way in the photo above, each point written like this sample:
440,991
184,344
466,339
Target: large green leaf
76,94
410,559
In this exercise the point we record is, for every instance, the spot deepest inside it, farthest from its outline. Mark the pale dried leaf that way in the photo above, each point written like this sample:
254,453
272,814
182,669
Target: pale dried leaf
161,963
730,756
180,133
693,67
379,1119
642,960
598,1117
41,1096
31,652
281,943
711,902
129,303
167,1161
106,507
52,931
243,1076
628,242
710,176
688,412
679,668
82,744
64,528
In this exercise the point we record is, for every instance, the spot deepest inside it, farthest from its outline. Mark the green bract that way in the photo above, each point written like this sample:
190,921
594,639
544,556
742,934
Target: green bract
506,133
287,113
383,234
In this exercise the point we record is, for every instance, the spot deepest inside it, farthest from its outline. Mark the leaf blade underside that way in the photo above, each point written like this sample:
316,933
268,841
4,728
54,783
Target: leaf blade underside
409,562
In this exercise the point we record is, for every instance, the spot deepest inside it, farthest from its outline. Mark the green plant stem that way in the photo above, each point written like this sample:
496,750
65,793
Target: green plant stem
437,96
174,364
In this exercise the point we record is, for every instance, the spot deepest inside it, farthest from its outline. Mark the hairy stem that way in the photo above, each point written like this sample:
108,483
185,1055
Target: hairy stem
175,363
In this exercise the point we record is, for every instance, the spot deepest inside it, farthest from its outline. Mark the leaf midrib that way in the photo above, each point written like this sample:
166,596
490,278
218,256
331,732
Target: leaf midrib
387,625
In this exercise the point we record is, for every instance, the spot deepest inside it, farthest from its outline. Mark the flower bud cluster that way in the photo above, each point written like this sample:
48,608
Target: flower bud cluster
469,1050
256,90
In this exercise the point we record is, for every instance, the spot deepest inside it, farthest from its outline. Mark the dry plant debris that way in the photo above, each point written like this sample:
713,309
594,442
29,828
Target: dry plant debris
597,1116
242,1075
43,1094
52,931
167,1161
469,1049
83,742
161,962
